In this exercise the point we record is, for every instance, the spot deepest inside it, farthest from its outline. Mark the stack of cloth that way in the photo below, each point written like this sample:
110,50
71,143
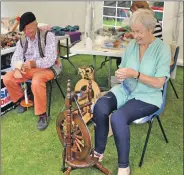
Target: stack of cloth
72,31
74,37
59,31
71,28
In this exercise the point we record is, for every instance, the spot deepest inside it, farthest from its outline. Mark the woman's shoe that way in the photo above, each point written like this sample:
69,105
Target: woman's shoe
99,156
124,171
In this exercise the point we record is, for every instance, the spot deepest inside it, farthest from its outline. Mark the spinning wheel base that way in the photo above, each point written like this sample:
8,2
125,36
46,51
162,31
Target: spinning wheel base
88,162
23,103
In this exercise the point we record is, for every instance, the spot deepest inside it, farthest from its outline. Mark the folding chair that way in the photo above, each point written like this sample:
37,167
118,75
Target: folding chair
149,119
173,66
49,91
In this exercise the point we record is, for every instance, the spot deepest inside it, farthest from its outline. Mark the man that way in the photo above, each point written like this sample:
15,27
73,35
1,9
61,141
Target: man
34,67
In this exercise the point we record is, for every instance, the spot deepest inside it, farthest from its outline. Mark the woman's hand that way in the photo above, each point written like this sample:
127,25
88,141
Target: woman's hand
129,35
124,73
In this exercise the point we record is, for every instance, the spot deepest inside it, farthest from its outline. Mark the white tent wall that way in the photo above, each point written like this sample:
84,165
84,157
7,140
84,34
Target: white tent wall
56,13
53,13
173,26
98,15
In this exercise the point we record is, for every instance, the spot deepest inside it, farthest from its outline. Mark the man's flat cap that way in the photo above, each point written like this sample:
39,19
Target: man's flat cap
26,19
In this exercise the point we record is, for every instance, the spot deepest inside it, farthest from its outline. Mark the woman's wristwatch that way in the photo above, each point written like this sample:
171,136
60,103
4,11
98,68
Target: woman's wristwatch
138,76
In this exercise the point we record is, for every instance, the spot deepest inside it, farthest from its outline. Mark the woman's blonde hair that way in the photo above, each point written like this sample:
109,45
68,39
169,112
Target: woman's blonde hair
145,17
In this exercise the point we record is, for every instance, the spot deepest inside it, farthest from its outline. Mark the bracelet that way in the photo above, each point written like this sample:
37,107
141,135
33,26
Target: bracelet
138,75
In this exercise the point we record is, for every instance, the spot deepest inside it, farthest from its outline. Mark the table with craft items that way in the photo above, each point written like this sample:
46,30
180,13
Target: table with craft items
10,50
80,48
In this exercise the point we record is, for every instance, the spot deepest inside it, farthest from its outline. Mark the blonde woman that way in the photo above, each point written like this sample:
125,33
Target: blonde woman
145,66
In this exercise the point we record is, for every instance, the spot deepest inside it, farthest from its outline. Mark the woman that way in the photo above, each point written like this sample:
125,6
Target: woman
145,66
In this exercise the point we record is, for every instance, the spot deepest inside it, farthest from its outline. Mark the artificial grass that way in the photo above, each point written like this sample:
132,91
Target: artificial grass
27,151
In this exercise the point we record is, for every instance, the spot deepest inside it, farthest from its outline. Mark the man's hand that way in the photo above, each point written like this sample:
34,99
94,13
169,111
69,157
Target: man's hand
18,73
29,64
124,73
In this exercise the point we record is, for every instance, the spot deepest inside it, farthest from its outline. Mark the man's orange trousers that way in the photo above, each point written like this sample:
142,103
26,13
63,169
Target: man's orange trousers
39,78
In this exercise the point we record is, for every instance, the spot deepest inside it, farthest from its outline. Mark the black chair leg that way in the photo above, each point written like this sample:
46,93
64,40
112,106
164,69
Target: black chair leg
146,142
76,70
59,88
103,63
174,89
50,93
162,129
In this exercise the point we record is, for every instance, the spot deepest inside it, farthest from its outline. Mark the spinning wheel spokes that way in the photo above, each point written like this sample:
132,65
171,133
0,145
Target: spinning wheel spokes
78,139
81,140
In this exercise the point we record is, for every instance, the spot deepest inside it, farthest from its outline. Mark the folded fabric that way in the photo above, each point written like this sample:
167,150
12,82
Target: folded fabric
58,31
70,30
57,28
74,36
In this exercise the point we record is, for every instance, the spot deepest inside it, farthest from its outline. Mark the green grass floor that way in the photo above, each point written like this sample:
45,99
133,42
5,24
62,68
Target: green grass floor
27,151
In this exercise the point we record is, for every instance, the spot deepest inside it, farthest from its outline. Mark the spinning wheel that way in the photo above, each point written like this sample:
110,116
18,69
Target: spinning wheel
26,102
87,73
74,134
82,86
81,139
